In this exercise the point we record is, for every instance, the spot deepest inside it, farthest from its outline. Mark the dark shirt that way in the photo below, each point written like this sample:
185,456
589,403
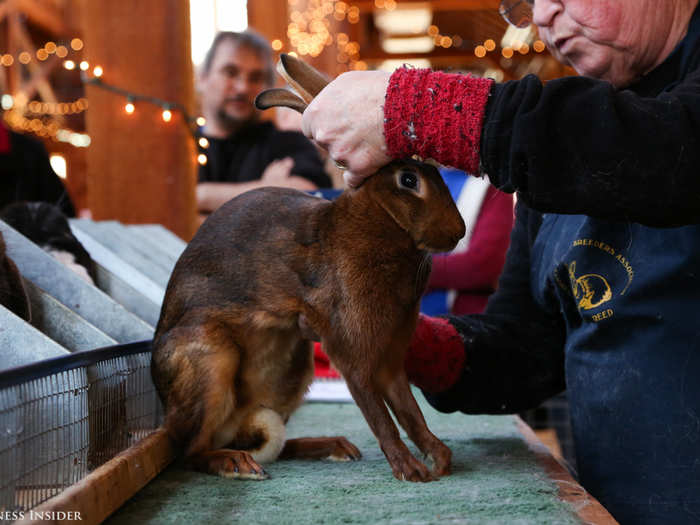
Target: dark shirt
604,304
26,175
244,156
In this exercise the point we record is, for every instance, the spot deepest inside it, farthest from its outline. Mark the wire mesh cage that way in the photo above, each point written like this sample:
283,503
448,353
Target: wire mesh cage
64,417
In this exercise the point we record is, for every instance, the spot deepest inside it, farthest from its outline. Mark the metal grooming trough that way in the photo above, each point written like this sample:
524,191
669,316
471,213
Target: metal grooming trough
75,384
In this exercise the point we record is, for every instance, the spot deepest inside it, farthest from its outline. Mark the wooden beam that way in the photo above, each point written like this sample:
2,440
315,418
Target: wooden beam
140,168
377,53
13,29
435,5
38,80
4,9
43,14
269,18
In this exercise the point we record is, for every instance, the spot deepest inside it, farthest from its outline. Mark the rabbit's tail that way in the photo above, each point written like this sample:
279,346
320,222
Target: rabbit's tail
268,423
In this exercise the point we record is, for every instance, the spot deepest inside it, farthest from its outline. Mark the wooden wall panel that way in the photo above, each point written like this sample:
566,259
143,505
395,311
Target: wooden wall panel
140,169
269,17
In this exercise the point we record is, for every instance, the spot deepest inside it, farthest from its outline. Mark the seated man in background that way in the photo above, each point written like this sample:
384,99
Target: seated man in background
244,152
26,173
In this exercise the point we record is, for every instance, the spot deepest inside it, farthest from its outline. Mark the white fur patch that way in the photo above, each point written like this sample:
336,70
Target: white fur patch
68,259
273,426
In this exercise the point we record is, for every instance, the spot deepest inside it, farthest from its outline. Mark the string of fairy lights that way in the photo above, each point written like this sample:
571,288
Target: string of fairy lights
40,118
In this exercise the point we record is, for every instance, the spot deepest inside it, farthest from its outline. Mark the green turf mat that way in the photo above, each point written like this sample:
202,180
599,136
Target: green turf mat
495,480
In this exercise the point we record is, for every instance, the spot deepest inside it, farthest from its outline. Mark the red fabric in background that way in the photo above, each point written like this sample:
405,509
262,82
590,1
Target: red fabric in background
322,365
4,139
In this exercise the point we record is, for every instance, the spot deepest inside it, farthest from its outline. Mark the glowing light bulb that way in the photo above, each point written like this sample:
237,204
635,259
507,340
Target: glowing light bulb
202,159
97,71
129,108
6,102
69,65
201,121
167,115
84,65
203,142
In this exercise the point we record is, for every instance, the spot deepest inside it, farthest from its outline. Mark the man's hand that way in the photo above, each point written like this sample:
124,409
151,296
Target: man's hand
347,119
277,172
211,195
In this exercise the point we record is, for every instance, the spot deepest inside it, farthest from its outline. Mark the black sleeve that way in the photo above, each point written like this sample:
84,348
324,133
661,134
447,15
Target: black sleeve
307,161
515,349
576,145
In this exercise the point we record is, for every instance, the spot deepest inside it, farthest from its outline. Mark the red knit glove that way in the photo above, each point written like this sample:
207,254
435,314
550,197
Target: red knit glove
435,115
435,358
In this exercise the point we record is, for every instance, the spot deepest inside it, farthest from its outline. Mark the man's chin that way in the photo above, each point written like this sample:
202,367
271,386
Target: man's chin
234,121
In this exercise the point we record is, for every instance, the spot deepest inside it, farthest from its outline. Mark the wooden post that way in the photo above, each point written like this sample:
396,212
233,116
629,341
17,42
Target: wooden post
140,168
269,18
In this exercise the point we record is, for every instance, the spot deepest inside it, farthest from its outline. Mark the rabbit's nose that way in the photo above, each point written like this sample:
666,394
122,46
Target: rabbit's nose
460,231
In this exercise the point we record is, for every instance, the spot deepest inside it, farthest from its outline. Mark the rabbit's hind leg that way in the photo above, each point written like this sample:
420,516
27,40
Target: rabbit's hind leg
258,438
197,371
335,448
225,446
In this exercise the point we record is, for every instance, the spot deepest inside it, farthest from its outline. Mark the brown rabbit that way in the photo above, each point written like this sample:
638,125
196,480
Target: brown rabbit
274,269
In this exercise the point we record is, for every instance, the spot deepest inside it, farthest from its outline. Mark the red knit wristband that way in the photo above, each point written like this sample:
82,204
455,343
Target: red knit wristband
435,115
435,359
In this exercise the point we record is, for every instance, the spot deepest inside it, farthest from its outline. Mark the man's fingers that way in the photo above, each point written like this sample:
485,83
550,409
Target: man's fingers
352,180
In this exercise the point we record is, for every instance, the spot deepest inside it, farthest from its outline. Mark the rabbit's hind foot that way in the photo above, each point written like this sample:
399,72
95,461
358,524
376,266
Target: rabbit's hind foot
332,448
228,463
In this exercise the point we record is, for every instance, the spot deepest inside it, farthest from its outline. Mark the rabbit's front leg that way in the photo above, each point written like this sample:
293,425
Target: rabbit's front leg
403,405
404,466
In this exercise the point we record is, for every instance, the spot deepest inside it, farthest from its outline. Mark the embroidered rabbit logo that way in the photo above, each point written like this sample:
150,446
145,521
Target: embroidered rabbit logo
590,290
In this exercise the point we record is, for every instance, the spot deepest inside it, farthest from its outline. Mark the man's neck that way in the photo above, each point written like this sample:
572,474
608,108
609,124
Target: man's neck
218,129
680,16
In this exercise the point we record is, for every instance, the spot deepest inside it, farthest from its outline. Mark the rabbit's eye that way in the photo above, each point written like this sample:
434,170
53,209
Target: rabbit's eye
408,179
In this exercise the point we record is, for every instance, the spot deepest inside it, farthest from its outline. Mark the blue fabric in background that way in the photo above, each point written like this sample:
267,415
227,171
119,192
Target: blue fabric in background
435,302
326,193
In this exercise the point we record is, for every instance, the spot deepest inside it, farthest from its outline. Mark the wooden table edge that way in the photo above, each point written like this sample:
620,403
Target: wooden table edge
588,509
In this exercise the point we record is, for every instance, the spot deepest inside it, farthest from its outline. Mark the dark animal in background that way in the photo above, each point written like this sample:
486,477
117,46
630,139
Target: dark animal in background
274,269
47,226
13,295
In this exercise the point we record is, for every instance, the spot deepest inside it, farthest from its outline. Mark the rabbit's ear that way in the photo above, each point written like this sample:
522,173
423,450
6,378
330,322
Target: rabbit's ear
304,79
279,97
